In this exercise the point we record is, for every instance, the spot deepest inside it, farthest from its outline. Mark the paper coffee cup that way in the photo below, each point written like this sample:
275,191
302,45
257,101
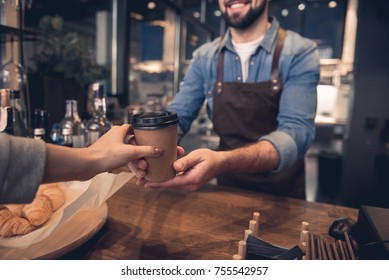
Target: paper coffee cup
159,129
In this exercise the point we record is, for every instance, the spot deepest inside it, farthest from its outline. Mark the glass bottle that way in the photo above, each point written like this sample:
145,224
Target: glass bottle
9,127
66,138
4,97
55,133
18,124
45,124
39,133
99,124
41,126
4,105
72,120
78,129
16,95
36,119
12,76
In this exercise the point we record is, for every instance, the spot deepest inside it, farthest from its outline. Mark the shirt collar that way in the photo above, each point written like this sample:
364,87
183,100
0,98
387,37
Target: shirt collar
267,42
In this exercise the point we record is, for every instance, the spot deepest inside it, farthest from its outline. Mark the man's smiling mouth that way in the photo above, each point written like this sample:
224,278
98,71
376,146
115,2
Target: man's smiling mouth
236,4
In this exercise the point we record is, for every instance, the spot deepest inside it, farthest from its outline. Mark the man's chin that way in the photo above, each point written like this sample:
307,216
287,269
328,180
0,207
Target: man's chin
238,21
244,18
235,19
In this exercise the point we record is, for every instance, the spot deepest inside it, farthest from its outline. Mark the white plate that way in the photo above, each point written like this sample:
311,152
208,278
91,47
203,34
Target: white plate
67,237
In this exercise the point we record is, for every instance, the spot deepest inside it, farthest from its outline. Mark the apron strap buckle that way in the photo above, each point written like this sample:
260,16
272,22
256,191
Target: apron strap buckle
219,88
276,86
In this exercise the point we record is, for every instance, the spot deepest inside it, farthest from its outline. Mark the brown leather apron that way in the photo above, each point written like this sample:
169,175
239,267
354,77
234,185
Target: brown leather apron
244,112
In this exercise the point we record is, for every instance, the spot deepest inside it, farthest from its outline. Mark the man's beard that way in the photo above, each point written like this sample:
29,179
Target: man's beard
236,21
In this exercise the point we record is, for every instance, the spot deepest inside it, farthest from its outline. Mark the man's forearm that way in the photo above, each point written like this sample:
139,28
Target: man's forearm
258,157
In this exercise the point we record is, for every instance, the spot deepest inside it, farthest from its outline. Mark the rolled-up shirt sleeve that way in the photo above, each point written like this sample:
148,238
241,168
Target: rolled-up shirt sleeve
22,164
286,147
296,118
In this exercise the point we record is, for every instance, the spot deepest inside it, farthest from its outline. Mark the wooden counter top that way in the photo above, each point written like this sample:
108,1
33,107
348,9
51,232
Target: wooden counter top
207,224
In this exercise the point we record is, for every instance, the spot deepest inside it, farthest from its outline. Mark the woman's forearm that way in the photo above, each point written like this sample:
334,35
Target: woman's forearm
64,164
106,154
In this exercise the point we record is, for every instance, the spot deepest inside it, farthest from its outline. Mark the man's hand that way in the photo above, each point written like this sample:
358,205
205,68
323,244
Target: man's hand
195,169
139,166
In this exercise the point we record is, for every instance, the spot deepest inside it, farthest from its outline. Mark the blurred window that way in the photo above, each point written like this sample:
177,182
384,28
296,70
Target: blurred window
196,36
193,7
152,51
213,18
319,20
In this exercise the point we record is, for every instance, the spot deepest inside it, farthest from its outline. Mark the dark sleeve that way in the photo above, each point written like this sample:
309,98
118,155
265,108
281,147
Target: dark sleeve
22,163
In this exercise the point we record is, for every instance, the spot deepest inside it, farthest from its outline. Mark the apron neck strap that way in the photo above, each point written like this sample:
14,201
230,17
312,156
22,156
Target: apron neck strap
276,83
220,65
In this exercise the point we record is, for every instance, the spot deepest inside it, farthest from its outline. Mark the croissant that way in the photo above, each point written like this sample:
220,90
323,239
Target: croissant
11,225
55,194
16,208
39,210
44,187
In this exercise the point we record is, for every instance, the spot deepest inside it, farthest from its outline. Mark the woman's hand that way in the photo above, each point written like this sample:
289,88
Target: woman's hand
108,153
139,166
116,153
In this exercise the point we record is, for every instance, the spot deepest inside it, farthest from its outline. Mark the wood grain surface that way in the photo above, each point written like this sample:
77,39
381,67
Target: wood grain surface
208,224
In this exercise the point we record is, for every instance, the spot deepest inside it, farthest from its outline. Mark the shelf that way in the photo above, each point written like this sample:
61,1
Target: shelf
7,32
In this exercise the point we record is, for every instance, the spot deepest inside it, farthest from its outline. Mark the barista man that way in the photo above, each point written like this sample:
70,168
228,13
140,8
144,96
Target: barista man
259,82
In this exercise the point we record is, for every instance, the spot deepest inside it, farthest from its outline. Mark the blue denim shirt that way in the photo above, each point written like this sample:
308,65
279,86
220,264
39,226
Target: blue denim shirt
299,71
